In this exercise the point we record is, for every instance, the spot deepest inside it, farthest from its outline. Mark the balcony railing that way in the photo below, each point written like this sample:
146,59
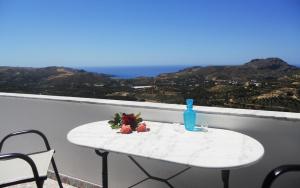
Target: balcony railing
55,116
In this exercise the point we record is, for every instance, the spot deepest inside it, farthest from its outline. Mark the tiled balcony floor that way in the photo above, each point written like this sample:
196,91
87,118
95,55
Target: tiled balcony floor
49,183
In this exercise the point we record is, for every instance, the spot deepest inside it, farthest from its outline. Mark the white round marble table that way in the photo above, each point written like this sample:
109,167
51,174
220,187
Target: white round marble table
214,148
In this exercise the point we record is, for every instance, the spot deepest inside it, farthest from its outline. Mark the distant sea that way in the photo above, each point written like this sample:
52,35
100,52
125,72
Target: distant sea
135,71
138,71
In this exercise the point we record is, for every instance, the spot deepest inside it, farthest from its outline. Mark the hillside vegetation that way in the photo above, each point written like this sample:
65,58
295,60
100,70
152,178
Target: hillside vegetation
268,84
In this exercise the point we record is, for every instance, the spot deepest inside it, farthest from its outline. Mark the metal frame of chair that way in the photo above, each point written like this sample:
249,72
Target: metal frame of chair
38,179
276,172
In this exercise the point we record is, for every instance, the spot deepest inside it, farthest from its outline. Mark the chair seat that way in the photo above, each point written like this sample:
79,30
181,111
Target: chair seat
17,169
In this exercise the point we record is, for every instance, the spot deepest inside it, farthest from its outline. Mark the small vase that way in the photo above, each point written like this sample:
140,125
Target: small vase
189,116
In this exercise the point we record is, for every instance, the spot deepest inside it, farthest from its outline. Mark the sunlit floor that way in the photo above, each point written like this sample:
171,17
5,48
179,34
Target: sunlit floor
49,183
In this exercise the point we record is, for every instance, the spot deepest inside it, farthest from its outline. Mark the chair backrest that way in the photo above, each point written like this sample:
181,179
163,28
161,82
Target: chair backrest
17,169
42,160
275,173
26,132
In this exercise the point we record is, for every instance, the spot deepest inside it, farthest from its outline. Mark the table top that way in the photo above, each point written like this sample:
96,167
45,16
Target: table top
215,148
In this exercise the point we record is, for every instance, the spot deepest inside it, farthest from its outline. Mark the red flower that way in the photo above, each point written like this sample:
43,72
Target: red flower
129,119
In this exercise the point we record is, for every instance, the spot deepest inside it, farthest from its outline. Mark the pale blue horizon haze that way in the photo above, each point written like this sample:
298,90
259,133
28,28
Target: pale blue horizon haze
95,33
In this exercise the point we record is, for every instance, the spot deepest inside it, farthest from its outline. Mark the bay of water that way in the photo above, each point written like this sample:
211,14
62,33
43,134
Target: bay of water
138,71
135,71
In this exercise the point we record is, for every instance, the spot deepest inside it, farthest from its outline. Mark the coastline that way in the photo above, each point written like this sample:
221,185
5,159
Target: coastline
128,72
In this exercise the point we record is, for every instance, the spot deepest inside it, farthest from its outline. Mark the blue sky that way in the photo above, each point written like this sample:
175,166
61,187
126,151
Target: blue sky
147,32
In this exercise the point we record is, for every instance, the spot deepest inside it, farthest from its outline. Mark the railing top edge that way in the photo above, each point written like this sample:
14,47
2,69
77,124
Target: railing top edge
163,106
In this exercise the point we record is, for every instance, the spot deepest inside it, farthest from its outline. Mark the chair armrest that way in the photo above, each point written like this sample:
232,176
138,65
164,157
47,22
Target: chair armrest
9,156
26,132
275,173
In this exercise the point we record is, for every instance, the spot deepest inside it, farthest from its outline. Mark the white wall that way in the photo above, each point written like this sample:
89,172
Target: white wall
280,138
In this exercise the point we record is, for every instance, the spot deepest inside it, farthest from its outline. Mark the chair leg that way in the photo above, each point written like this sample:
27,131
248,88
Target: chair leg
56,173
39,183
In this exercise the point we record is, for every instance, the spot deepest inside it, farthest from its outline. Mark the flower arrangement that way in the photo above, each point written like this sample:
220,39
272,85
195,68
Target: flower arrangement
128,123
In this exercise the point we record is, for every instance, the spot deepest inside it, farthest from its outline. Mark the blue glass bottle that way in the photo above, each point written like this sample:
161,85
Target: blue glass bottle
189,116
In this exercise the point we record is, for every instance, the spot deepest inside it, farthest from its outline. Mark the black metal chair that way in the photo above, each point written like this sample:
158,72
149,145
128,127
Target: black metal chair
18,168
275,173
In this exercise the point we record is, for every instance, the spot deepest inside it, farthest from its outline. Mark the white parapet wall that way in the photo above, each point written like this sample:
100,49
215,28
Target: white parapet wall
279,132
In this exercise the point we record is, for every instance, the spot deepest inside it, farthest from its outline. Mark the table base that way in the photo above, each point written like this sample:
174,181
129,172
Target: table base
225,178
104,155
166,181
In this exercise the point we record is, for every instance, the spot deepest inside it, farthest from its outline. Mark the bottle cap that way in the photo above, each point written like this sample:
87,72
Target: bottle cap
189,102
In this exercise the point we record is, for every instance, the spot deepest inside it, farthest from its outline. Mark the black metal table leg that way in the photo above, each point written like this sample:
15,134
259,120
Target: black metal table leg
104,168
225,178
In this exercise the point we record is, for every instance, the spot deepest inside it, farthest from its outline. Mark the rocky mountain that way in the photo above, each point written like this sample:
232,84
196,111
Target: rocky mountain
258,69
53,80
49,75
269,64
